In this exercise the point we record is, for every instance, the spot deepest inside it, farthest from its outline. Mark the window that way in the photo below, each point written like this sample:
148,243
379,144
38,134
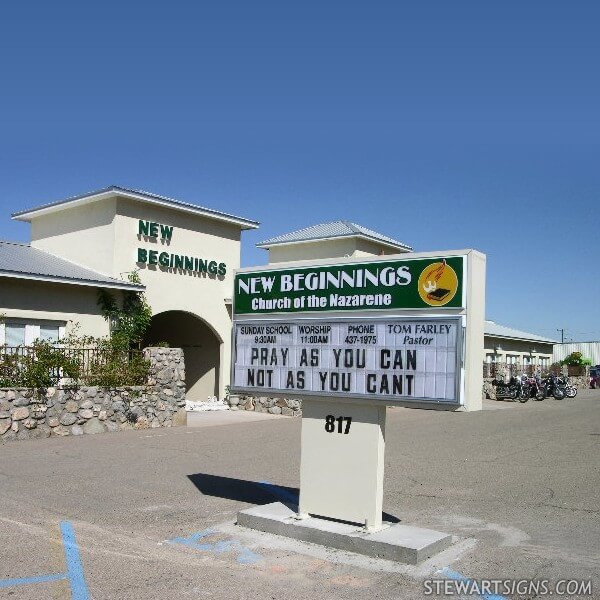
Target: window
544,360
49,332
14,334
511,359
490,358
19,332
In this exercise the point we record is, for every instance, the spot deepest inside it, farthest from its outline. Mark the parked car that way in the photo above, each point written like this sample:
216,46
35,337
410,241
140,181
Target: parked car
595,377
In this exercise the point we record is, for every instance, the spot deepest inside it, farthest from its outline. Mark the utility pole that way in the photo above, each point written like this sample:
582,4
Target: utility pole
562,335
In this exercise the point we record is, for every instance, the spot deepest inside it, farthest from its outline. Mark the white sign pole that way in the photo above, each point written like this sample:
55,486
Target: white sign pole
342,461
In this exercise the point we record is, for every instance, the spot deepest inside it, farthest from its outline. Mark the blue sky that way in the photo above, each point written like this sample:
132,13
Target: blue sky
443,124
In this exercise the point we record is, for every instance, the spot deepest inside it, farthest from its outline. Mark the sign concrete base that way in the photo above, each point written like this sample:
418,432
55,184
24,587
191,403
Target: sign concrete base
400,543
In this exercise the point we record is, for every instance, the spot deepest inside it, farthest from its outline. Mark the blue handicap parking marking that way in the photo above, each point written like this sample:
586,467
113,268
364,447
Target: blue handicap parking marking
74,575
79,589
247,557
193,540
6,583
196,541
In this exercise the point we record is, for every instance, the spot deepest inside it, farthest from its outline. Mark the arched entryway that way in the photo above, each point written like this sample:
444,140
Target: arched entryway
201,348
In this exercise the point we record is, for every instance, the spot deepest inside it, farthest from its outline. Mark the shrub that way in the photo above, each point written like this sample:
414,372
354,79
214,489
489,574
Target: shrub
576,359
129,321
10,372
39,367
115,367
111,362
46,364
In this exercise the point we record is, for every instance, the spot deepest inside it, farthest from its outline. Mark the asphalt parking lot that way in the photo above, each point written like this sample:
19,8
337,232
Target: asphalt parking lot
151,514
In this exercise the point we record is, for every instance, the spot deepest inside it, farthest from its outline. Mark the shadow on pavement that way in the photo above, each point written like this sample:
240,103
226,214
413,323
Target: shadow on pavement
252,492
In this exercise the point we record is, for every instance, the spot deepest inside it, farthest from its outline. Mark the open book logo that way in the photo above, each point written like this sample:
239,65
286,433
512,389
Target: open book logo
438,283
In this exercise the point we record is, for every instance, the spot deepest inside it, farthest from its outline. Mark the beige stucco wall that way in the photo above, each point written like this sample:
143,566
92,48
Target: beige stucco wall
350,247
312,250
83,235
168,289
518,348
369,248
32,301
103,236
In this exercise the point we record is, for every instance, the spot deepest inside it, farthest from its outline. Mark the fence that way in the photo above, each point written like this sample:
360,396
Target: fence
500,369
85,363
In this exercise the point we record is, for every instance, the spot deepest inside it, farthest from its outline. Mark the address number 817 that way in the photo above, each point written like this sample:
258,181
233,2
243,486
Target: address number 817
339,424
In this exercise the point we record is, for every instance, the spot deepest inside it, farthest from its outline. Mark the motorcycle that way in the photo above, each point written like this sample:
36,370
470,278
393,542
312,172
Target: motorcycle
531,387
553,386
510,390
570,388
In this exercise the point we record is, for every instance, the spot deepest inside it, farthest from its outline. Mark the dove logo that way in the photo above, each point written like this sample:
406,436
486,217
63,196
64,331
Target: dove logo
438,284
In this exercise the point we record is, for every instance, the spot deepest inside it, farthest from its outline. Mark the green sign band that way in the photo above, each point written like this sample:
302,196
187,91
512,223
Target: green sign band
407,284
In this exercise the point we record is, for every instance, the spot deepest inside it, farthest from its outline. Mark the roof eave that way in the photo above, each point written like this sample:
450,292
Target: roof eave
268,244
83,282
27,215
520,339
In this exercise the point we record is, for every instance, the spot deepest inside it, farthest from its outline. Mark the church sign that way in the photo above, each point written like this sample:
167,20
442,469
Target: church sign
389,331
348,340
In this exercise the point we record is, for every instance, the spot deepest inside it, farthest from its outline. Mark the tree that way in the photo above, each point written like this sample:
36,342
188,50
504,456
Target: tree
129,321
575,359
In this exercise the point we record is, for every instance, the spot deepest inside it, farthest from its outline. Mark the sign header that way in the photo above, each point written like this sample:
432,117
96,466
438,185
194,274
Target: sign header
390,284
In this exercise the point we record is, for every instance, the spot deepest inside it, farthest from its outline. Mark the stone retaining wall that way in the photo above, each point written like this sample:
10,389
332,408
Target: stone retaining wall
275,406
27,413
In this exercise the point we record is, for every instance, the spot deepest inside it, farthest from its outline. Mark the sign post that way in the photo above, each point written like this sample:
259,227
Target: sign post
350,339
341,473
